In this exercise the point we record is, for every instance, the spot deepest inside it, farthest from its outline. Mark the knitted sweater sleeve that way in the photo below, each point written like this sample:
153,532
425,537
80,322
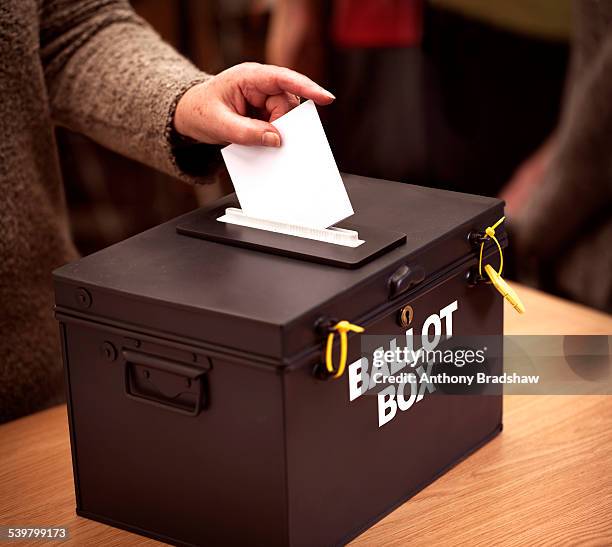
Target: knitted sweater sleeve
111,77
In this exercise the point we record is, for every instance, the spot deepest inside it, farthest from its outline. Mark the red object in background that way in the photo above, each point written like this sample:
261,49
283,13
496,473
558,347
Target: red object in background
377,23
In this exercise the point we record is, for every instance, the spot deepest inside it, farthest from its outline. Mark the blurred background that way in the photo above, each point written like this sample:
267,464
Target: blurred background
504,98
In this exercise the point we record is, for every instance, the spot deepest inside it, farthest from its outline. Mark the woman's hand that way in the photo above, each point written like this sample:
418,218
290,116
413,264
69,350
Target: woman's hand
238,104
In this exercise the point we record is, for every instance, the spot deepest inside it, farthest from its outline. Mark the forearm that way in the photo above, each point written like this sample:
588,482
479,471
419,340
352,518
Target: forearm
295,35
288,30
112,78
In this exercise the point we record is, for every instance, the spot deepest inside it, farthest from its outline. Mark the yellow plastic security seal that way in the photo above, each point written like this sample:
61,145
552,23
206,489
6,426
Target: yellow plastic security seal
506,290
490,232
343,327
495,276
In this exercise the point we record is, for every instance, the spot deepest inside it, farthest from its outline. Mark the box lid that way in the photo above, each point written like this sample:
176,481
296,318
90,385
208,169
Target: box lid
251,301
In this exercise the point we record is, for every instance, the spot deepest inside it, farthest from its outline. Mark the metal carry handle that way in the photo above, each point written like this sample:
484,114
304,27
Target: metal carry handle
193,380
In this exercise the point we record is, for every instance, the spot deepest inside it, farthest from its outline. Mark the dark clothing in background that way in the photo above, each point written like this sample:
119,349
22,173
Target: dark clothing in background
564,234
378,129
375,66
491,98
459,111
97,68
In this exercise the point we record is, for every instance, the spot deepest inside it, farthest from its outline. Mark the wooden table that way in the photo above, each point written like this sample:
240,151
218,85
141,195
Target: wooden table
546,479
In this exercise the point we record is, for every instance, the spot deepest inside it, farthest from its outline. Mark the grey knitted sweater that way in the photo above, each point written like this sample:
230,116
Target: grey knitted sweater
94,67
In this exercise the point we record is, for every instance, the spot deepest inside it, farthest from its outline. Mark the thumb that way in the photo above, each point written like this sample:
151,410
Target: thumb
243,130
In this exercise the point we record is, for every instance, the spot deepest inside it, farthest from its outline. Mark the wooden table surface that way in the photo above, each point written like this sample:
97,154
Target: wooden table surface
546,479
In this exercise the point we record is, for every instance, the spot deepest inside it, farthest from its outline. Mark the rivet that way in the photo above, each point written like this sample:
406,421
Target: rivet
83,298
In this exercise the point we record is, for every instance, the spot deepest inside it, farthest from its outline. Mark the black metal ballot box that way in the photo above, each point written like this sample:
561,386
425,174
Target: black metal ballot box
202,409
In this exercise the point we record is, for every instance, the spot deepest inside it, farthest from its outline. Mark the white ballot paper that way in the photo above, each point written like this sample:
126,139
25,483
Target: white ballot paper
296,184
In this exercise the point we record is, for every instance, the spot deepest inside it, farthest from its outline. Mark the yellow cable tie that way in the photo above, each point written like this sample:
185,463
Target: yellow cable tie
343,327
505,290
490,233
495,276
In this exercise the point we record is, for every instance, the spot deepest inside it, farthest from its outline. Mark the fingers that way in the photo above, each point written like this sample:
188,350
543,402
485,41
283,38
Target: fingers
243,130
215,111
234,128
273,80
279,105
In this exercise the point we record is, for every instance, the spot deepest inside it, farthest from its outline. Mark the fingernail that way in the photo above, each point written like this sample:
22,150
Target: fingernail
270,139
329,94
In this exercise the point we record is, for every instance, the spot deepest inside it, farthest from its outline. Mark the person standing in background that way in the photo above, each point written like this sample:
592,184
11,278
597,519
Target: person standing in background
493,80
560,202
368,52
447,93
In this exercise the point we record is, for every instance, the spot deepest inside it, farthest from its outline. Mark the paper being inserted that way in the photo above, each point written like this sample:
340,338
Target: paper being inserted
298,183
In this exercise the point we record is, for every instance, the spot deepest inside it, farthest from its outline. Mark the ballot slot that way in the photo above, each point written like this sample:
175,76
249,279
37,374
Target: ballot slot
334,235
297,183
292,200
360,244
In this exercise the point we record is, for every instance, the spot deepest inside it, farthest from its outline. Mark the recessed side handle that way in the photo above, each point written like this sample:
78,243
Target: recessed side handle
163,383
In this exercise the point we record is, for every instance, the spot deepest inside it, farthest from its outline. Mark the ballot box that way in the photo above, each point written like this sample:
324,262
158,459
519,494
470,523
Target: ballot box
209,399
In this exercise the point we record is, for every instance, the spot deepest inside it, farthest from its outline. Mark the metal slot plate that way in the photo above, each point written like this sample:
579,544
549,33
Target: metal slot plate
377,241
